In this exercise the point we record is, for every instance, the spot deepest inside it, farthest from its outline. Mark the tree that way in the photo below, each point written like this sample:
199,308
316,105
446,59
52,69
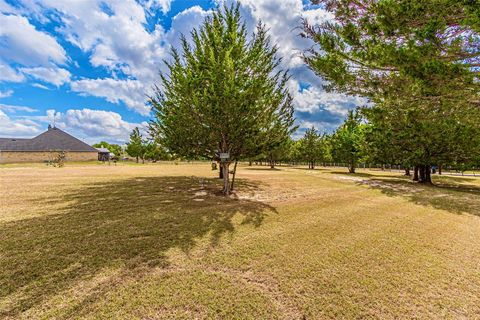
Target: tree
223,94
312,148
280,152
154,151
417,61
135,147
348,141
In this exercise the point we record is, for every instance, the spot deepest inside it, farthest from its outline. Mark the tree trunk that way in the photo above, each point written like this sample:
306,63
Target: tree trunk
351,167
421,173
407,171
428,174
440,169
137,159
226,175
220,171
415,173
425,174
234,173
250,163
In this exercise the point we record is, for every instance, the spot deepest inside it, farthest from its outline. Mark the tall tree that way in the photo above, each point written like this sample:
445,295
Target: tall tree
348,141
135,147
417,60
224,93
311,148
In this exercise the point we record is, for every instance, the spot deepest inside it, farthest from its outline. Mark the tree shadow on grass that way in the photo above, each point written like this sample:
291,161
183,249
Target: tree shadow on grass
129,224
263,169
445,194
379,174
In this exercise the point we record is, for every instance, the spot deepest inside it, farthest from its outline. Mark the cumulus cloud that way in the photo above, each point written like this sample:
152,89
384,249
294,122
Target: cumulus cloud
129,91
119,37
56,76
94,125
8,74
22,43
19,128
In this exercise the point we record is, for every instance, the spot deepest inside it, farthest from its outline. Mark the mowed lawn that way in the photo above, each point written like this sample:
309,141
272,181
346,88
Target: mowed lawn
159,242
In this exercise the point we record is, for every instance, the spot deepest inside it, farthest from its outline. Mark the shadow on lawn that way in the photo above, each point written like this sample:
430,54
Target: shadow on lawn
446,194
263,168
128,224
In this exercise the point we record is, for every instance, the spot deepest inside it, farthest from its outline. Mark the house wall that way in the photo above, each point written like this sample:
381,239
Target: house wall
33,156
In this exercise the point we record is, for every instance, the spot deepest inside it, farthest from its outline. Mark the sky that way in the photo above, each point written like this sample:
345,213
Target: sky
87,66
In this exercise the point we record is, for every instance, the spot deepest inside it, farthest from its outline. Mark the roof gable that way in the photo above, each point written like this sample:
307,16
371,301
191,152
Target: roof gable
53,139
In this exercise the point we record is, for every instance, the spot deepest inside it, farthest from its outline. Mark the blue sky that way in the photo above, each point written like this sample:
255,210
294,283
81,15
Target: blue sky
87,65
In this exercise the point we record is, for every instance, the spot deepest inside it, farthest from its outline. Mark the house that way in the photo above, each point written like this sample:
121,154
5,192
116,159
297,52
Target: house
45,147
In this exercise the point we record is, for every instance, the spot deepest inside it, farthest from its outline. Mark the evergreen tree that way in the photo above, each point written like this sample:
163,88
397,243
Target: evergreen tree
348,141
224,94
417,61
135,147
311,148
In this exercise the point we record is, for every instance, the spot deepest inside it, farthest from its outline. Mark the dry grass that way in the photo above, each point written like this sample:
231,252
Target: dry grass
158,242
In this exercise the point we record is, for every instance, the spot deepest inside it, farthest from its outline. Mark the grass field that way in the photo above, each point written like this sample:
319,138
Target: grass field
158,242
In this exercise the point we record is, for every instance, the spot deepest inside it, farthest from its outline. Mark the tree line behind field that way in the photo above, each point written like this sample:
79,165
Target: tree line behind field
359,143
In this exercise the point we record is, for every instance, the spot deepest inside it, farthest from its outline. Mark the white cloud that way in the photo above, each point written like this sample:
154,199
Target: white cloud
94,125
56,76
116,35
41,86
183,23
312,99
22,43
131,92
9,74
18,128
164,5
6,94
11,108
86,124
6,8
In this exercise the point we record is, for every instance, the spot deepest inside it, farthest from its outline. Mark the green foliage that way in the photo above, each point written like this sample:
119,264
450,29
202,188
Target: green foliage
313,148
113,148
348,141
224,93
418,63
135,147
154,151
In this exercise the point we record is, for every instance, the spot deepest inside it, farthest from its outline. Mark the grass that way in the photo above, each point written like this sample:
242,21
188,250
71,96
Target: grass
158,242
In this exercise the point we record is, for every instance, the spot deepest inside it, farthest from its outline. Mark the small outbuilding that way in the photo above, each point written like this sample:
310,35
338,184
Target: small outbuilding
104,154
45,147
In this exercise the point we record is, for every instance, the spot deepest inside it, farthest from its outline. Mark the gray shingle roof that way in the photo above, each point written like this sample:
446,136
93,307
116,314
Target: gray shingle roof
53,139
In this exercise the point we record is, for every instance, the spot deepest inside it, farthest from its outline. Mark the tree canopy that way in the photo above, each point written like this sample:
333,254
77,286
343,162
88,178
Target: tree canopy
418,64
224,93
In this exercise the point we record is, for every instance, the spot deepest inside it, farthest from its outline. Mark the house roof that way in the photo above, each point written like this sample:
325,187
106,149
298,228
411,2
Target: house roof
103,150
53,139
